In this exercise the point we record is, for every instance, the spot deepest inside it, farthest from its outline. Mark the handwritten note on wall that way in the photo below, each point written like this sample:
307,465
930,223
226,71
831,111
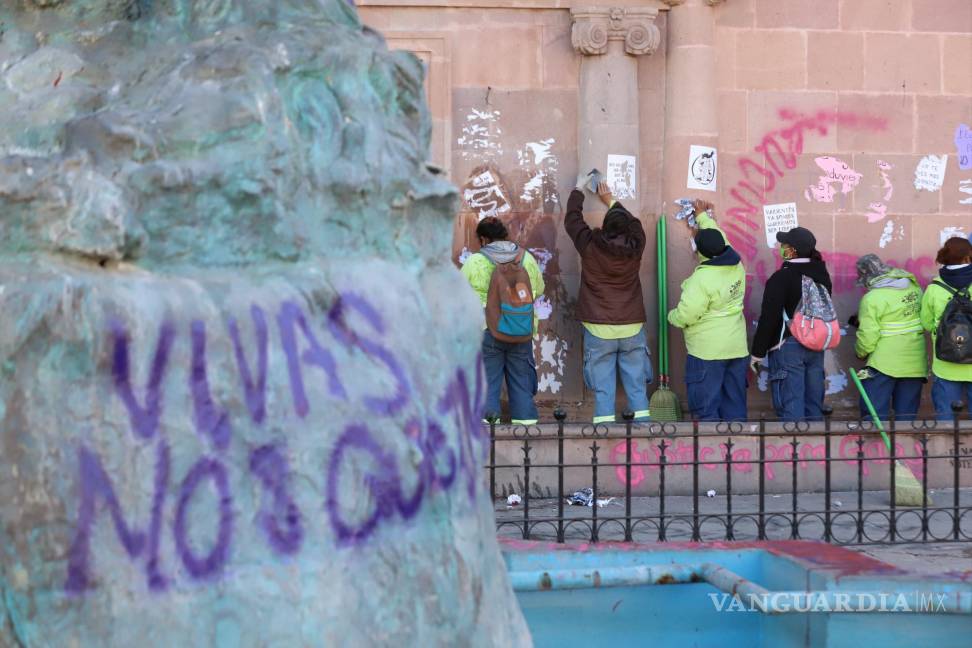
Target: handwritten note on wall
779,218
622,176
930,173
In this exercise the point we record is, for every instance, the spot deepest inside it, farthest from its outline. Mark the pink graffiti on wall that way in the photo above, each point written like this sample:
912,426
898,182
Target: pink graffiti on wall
679,455
777,153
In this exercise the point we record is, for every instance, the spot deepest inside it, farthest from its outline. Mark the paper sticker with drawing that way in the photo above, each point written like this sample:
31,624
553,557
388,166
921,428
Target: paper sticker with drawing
779,218
703,168
930,172
622,176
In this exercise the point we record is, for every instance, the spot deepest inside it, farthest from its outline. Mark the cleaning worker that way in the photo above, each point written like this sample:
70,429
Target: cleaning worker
891,338
513,361
610,305
796,373
953,380
710,311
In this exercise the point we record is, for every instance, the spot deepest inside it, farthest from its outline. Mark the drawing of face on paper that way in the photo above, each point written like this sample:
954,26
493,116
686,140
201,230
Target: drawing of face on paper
622,175
703,168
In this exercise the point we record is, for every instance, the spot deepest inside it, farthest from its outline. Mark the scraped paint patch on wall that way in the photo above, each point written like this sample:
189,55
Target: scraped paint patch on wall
543,257
930,172
965,186
963,146
951,232
878,210
837,176
836,375
543,165
551,363
889,234
542,307
480,137
484,196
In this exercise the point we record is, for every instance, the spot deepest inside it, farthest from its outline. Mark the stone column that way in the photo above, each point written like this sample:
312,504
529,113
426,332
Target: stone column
691,117
610,40
691,100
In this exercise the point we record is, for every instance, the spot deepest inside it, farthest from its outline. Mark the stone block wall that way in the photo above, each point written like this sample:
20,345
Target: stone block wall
799,89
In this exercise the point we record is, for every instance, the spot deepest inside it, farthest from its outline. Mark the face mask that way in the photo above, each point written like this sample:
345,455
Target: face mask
783,254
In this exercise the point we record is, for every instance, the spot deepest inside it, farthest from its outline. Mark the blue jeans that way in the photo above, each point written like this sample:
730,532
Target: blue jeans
630,356
903,395
516,363
796,377
716,388
944,392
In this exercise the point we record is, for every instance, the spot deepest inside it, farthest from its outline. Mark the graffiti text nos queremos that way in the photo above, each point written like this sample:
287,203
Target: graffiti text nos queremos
392,490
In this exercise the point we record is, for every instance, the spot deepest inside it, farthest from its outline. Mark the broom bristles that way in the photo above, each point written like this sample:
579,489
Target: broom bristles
907,488
664,405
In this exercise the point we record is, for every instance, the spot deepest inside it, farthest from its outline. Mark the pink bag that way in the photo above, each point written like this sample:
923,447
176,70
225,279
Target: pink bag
814,323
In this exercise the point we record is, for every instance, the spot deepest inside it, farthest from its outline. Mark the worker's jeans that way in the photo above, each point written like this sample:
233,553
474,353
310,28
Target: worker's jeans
603,359
796,377
902,395
716,388
945,392
515,362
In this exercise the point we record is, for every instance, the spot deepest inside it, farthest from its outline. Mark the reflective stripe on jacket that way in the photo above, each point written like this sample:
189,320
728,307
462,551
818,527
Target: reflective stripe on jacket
890,335
710,309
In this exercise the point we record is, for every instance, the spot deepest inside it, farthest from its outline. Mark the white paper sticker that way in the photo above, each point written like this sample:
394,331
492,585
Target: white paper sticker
703,168
930,173
951,232
622,176
779,218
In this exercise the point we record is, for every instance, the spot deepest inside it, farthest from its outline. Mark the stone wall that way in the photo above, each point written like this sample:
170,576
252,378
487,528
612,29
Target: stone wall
788,91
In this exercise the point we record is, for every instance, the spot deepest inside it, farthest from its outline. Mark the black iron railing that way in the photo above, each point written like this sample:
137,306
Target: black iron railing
764,482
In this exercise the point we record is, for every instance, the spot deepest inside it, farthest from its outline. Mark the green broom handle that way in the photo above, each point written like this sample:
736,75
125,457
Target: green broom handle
665,291
870,408
658,283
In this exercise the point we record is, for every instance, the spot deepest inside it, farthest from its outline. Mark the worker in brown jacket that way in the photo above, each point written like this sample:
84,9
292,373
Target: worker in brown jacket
610,305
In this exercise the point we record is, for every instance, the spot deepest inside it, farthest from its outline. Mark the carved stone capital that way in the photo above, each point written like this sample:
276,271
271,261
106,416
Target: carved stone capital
594,27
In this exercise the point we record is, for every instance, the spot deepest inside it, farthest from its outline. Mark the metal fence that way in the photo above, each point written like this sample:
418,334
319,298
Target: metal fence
753,489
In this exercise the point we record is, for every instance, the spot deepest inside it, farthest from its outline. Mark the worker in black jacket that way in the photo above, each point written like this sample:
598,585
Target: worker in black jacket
796,374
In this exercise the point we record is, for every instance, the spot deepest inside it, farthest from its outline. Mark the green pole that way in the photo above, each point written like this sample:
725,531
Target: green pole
870,408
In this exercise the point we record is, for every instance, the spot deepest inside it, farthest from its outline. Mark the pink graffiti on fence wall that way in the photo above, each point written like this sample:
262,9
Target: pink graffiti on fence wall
777,152
679,456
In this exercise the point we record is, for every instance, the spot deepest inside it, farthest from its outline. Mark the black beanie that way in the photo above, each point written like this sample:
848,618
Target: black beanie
710,243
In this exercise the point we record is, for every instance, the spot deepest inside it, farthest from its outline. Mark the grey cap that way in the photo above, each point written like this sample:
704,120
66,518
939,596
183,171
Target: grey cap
870,267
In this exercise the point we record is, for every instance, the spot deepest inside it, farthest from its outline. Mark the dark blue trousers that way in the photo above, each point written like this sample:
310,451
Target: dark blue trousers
716,388
946,392
797,382
887,394
515,364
